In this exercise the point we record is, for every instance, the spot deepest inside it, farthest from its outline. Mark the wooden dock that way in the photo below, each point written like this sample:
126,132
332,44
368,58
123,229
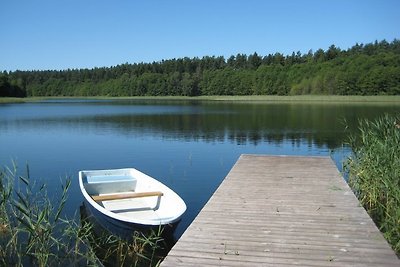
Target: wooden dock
278,210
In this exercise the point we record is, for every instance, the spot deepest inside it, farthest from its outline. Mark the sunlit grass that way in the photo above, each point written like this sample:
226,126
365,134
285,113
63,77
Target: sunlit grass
254,98
374,173
4,100
306,98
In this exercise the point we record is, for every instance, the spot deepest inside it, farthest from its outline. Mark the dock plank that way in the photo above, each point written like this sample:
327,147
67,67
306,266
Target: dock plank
280,210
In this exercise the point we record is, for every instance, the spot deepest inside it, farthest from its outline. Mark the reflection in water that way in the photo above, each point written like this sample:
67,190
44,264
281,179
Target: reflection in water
322,125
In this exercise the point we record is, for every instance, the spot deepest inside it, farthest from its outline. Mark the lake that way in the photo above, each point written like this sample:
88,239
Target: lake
188,145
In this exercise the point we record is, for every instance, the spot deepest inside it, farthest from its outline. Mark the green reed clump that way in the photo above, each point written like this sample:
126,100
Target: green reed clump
374,173
32,230
33,233
138,251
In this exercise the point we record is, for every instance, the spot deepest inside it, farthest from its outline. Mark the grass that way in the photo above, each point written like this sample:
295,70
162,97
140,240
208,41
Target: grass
255,98
6,100
305,98
374,173
33,232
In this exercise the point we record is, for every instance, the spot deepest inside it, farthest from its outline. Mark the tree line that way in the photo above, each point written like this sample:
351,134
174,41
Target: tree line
369,69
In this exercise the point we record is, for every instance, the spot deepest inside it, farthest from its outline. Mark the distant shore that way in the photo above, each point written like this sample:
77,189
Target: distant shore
252,98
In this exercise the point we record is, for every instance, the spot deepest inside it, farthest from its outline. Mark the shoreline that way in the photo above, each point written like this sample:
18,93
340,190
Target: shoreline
248,98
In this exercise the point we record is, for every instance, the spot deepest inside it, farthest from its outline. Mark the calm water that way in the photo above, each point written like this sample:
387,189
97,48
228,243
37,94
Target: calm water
188,145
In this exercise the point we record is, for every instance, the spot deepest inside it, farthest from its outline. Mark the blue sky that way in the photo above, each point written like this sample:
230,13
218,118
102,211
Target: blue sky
48,34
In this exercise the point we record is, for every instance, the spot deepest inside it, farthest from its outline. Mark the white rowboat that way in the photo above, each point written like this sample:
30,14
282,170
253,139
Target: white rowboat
130,197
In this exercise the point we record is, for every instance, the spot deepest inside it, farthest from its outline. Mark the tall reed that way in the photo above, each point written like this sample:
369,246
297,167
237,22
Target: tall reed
374,173
33,232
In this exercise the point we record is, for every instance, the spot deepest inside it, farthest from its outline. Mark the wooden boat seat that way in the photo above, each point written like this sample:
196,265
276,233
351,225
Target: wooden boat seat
127,195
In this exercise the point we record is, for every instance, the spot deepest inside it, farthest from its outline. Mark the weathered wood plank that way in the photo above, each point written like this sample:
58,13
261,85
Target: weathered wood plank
127,195
277,210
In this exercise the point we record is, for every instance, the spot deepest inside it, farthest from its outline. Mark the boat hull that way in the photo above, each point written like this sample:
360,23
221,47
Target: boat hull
126,230
123,217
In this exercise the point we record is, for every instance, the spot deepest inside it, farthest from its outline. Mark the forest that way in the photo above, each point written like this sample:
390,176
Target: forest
363,69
